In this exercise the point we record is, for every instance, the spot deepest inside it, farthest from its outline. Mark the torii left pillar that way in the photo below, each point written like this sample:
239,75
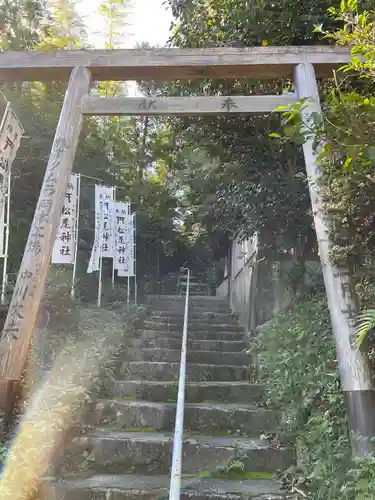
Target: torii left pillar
23,309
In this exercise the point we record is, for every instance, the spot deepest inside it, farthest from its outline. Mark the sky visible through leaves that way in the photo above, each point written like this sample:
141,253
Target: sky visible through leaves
149,21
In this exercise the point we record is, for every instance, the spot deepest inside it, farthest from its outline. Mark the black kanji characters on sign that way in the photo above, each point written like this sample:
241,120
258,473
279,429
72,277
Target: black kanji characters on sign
65,223
61,146
228,104
66,236
8,143
65,251
4,163
147,104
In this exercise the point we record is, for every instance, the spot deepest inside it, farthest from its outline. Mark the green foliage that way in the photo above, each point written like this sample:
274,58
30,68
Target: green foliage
302,378
116,150
344,138
66,29
347,160
305,367
244,182
365,323
114,14
360,483
358,32
20,22
242,23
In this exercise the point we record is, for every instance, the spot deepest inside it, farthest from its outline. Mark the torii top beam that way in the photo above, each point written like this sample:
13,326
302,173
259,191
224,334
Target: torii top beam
170,64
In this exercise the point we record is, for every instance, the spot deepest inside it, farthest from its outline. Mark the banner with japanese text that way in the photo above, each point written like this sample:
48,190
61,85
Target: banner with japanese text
10,138
125,241
104,242
64,250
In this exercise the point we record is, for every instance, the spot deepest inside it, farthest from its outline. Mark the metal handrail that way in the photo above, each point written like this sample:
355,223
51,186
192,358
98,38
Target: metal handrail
175,484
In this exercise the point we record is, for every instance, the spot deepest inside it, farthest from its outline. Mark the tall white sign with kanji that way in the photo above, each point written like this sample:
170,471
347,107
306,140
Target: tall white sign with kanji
64,250
104,243
10,138
125,241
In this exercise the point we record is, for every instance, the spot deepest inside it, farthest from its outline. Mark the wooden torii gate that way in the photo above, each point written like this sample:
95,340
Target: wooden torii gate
303,64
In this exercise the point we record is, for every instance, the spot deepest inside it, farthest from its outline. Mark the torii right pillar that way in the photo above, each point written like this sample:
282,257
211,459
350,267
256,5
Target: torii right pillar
354,367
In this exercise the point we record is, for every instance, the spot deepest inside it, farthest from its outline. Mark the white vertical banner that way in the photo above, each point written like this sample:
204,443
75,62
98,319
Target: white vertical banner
64,249
125,245
11,133
104,243
95,252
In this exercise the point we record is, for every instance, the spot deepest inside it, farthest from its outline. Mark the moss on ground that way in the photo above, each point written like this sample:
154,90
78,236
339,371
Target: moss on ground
237,476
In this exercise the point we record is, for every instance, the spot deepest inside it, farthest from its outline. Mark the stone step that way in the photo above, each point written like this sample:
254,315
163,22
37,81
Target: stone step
195,392
210,317
205,418
138,487
196,305
207,301
174,356
195,335
198,345
192,327
173,309
167,371
151,453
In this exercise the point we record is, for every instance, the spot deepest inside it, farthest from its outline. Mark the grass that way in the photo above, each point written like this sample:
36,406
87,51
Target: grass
236,476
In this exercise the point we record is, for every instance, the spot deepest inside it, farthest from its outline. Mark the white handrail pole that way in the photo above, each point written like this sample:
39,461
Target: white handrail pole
175,485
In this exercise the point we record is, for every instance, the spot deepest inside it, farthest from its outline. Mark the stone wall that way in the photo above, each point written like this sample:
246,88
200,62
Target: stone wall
260,288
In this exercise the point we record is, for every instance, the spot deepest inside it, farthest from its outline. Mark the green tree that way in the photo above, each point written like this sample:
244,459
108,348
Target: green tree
66,29
21,23
114,14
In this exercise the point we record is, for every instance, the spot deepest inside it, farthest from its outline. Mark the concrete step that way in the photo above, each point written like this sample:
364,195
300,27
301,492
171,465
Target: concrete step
195,392
198,345
195,335
138,487
174,356
210,317
196,305
205,418
173,309
192,327
167,371
151,453
207,300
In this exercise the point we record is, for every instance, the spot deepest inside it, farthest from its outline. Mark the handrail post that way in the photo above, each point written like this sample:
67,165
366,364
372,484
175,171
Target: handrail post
175,484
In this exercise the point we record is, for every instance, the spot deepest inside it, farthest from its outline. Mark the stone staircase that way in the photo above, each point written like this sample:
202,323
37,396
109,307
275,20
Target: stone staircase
128,454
